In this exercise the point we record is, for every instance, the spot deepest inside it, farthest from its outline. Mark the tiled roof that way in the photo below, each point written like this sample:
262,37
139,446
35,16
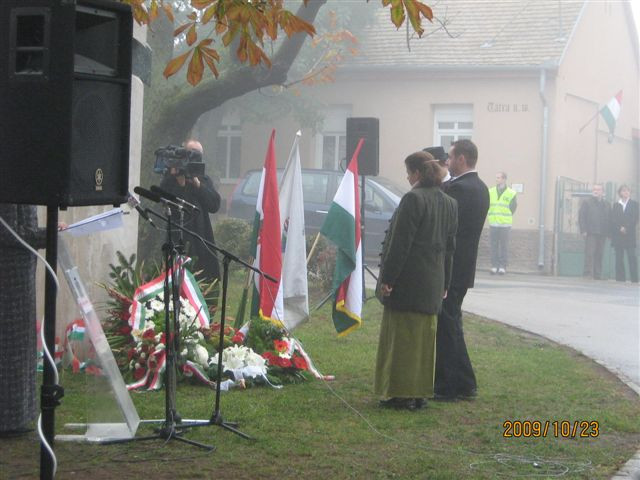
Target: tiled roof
516,33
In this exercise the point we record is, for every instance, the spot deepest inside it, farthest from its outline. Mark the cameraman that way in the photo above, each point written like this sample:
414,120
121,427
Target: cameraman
198,190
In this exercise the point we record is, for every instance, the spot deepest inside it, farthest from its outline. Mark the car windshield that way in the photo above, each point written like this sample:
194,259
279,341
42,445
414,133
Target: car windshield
394,190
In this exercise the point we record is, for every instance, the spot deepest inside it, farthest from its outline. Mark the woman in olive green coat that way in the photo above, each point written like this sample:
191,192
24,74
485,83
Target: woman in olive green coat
414,276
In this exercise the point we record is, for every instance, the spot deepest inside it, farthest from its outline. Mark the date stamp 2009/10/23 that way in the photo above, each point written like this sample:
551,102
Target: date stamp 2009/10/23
555,428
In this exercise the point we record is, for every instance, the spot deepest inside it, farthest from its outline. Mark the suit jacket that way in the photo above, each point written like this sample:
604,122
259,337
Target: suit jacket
627,219
593,216
472,196
417,251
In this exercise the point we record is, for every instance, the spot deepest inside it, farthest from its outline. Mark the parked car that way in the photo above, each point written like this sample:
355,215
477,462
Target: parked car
382,196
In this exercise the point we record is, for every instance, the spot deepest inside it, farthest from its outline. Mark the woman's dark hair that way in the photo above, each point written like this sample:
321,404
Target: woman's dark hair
431,173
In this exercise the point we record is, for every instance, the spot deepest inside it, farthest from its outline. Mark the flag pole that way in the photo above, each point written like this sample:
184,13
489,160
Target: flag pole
313,247
590,120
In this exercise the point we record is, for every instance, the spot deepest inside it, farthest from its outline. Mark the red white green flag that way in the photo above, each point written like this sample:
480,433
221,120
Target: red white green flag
611,111
342,227
267,240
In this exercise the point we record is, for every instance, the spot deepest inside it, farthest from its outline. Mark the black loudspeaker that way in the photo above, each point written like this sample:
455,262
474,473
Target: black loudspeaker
65,94
369,129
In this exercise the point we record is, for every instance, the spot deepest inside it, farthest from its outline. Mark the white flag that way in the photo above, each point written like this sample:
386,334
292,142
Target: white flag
294,252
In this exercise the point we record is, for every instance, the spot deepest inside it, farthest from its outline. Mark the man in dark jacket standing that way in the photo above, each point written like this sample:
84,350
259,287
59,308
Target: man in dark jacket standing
593,218
624,221
199,191
454,374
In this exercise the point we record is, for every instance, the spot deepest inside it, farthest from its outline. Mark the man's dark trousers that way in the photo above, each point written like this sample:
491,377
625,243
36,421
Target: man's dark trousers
454,373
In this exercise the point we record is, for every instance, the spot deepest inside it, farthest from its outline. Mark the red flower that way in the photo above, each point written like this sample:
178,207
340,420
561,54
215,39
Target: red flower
215,327
125,330
138,373
238,338
149,334
284,362
300,363
131,353
228,331
163,338
270,357
281,345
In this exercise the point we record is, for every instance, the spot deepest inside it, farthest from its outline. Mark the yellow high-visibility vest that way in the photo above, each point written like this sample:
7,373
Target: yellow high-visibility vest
499,213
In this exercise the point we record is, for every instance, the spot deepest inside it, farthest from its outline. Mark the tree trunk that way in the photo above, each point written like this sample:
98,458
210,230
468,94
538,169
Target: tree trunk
169,117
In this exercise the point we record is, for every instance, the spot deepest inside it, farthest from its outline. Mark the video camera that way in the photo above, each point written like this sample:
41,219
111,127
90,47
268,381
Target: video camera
188,162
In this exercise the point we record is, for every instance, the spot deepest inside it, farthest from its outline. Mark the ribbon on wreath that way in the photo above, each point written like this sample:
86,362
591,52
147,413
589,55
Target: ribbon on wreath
154,368
189,290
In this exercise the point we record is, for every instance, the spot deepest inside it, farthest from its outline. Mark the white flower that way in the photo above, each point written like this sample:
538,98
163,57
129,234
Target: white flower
149,324
284,355
143,355
202,356
137,365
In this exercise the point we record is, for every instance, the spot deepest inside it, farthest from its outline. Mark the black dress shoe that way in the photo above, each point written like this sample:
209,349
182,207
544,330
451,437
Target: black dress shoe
472,395
398,403
437,397
419,403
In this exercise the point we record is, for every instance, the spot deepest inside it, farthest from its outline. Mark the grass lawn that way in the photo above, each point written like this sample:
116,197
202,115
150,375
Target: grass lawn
336,430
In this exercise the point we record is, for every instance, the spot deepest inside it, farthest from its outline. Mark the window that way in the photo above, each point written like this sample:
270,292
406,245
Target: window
331,142
228,148
451,123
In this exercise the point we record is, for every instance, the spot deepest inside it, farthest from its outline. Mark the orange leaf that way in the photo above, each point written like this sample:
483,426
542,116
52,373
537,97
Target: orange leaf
175,64
181,29
201,4
193,16
192,35
425,10
220,27
196,68
168,11
208,57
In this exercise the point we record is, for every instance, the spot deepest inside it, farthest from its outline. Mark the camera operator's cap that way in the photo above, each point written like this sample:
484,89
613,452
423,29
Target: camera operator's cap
437,152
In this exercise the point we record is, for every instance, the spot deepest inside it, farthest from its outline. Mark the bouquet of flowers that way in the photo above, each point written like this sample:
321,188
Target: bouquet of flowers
285,359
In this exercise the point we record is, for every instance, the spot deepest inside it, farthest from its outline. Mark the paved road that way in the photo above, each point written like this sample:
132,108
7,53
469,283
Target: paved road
598,318
601,319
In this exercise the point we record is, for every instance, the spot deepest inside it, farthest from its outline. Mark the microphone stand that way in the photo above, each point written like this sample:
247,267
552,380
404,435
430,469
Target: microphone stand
216,416
172,426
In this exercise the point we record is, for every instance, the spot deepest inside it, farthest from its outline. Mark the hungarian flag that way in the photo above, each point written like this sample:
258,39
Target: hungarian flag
342,227
294,249
611,111
267,296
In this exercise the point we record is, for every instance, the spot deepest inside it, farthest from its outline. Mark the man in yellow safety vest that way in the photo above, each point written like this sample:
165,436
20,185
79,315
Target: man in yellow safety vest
501,209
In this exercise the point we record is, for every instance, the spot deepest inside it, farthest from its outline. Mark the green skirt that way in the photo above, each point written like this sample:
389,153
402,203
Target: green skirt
406,361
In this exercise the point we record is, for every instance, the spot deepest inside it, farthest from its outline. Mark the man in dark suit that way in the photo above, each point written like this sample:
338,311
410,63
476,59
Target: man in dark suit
624,220
454,374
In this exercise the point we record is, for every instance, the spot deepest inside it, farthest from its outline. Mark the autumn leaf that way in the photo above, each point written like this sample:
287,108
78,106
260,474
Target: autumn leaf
397,15
153,10
201,4
196,68
182,28
192,36
168,11
208,14
175,64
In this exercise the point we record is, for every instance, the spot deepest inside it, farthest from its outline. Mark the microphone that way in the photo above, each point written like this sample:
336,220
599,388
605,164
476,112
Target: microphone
170,196
134,203
154,197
